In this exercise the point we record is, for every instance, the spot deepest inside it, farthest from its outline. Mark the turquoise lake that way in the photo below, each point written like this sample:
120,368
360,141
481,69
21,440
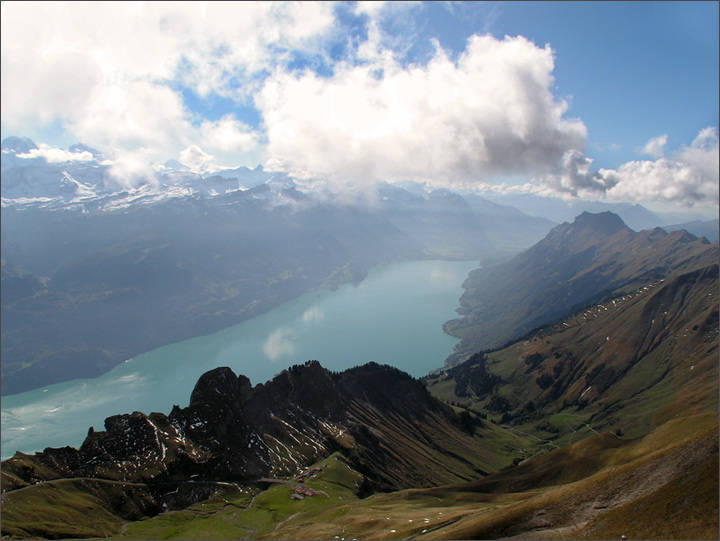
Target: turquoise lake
393,317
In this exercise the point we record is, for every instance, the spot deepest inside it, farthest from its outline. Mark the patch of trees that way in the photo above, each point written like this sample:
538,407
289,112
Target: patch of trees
498,403
468,423
547,427
534,360
472,377
544,381
601,377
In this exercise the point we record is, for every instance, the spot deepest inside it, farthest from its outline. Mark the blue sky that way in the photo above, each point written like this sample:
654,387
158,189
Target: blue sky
614,101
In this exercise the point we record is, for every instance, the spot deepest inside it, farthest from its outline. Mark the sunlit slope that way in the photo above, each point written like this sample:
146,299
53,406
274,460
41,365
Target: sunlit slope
662,486
628,364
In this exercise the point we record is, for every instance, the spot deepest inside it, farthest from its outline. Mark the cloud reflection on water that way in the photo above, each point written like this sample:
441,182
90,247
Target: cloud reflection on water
279,343
313,314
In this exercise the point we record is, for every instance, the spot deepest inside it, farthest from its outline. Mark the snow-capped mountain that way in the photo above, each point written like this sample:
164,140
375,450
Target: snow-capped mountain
81,179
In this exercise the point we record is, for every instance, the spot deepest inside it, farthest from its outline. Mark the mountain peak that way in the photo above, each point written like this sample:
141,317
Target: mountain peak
218,384
21,145
606,223
81,147
172,163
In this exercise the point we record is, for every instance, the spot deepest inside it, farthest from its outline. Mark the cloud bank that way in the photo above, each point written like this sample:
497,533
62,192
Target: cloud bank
56,155
333,97
688,177
113,72
491,113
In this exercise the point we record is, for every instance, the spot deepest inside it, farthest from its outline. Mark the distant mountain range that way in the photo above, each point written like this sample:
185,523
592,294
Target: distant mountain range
635,216
94,272
710,229
83,180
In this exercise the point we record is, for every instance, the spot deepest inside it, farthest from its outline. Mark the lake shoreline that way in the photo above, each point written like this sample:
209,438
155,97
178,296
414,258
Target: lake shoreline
401,306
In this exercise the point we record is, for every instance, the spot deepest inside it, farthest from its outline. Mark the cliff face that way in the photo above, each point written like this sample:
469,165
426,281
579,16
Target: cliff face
385,423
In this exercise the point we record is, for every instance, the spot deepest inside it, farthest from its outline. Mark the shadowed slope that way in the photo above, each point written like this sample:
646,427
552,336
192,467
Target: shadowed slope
574,265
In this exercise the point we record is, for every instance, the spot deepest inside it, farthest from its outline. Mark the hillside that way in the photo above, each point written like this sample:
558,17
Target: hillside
600,425
626,365
87,284
575,265
118,284
663,486
384,424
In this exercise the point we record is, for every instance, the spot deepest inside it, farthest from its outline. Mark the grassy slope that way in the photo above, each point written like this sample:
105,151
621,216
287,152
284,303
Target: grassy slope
569,268
590,491
75,508
630,363
230,515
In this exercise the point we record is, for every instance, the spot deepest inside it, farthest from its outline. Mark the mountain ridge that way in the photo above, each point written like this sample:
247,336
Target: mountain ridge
573,265
239,433
629,363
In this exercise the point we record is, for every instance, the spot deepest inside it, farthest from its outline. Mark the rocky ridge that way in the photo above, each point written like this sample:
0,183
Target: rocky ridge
382,420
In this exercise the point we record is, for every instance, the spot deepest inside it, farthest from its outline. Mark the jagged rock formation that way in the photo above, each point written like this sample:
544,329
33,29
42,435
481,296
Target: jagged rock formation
386,424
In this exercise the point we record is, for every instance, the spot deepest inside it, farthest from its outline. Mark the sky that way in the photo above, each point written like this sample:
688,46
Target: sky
611,101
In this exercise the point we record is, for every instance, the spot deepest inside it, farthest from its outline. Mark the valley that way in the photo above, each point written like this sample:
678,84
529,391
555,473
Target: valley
358,270
581,428
87,284
331,326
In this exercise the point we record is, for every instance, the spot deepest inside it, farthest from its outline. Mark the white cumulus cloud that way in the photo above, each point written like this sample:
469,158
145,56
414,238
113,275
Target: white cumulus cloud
197,159
110,72
655,147
228,134
688,177
490,113
130,169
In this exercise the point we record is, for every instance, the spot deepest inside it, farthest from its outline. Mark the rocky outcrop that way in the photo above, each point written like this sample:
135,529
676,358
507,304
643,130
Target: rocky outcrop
384,421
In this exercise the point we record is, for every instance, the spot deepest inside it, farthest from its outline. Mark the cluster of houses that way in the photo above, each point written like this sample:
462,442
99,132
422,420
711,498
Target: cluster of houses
300,492
308,474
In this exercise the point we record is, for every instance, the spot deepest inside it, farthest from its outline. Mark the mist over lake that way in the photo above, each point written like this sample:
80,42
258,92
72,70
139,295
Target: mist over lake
393,317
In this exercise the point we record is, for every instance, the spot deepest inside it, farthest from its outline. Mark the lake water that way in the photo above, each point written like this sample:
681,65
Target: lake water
393,317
